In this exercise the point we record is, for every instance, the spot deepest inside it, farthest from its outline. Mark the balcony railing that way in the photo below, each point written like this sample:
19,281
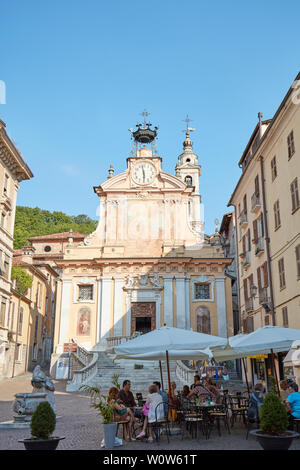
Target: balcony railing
263,296
255,202
246,260
260,246
243,218
249,305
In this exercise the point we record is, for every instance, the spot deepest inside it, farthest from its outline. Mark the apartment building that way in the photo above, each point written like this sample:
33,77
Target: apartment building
13,170
266,201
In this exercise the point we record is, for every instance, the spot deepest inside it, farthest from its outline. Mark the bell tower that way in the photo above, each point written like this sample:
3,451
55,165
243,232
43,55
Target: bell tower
189,171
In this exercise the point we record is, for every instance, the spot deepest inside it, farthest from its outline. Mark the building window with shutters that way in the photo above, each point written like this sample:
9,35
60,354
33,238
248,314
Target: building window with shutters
295,195
291,144
281,274
285,320
298,260
277,221
273,168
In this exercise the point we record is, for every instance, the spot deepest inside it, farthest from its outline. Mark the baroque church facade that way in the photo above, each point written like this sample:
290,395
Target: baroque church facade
148,263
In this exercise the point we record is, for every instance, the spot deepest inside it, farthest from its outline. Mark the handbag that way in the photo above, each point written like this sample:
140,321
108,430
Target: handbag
145,409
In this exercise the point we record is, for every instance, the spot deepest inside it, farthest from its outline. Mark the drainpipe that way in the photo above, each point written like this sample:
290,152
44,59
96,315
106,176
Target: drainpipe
267,239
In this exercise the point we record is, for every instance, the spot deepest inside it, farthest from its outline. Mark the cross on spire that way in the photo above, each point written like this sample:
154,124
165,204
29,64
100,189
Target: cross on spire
145,114
188,128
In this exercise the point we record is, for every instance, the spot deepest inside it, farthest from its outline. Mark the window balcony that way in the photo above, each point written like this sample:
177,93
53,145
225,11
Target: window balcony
243,218
246,260
259,246
249,305
263,296
255,202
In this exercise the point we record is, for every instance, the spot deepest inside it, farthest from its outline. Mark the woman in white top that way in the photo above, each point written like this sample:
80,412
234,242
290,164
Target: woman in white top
153,399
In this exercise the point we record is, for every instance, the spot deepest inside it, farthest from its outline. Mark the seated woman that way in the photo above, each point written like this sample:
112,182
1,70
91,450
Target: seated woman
214,390
153,400
121,413
292,403
200,391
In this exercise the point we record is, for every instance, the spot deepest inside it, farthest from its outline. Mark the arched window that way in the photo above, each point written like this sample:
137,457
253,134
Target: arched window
203,320
188,180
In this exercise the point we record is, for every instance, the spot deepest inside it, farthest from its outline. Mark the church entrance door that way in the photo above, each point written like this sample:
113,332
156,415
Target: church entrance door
143,317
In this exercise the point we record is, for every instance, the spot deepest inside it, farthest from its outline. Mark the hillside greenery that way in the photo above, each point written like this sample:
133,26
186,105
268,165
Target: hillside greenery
33,222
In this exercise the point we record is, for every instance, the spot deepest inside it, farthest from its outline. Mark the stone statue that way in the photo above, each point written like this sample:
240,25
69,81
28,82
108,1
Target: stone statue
43,384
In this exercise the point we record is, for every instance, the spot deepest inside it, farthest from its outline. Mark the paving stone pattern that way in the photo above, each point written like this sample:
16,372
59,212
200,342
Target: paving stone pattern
83,430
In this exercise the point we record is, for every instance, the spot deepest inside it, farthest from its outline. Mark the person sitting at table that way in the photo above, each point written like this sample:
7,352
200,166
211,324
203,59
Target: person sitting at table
164,397
196,381
127,398
214,390
256,400
292,403
153,413
121,413
284,393
200,391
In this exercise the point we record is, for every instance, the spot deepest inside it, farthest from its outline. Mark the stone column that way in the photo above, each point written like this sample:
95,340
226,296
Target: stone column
187,304
118,306
168,300
99,300
105,309
64,314
221,306
180,302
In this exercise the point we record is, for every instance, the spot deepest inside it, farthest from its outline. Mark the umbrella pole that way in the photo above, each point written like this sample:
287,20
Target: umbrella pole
275,372
243,361
169,379
161,377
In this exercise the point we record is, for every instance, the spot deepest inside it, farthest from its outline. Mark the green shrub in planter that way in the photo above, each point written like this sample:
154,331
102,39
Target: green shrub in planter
273,416
43,421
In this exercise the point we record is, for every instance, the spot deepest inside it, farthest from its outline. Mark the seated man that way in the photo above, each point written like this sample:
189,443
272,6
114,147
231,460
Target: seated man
292,403
126,396
164,397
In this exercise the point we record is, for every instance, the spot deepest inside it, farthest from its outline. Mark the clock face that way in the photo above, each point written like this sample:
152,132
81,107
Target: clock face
143,173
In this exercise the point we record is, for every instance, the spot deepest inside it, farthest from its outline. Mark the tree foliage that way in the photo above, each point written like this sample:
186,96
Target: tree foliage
33,222
23,279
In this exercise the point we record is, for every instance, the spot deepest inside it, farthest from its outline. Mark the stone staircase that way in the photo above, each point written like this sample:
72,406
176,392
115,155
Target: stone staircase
140,378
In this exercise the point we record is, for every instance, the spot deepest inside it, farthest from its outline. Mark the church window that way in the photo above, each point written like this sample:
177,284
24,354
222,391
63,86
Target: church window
85,292
203,320
47,248
202,291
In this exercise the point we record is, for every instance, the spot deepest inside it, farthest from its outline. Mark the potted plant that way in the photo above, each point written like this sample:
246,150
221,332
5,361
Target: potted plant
106,410
42,425
273,433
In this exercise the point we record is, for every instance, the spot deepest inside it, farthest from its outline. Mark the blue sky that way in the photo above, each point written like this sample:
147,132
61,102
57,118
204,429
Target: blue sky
78,75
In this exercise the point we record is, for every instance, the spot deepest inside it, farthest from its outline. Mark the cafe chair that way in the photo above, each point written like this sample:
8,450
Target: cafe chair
220,413
161,424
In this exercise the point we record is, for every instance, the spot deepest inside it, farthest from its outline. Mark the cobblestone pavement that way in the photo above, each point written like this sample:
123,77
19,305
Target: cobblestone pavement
83,430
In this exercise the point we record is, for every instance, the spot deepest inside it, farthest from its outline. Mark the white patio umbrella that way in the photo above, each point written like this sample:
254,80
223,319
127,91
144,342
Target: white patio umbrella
265,340
170,343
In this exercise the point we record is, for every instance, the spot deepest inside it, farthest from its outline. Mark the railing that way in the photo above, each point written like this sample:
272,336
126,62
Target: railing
243,217
260,245
116,340
247,259
249,305
255,202
263,296
184,373
82,376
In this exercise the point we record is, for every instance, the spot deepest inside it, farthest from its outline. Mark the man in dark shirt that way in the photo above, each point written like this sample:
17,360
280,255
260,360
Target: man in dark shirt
126,396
